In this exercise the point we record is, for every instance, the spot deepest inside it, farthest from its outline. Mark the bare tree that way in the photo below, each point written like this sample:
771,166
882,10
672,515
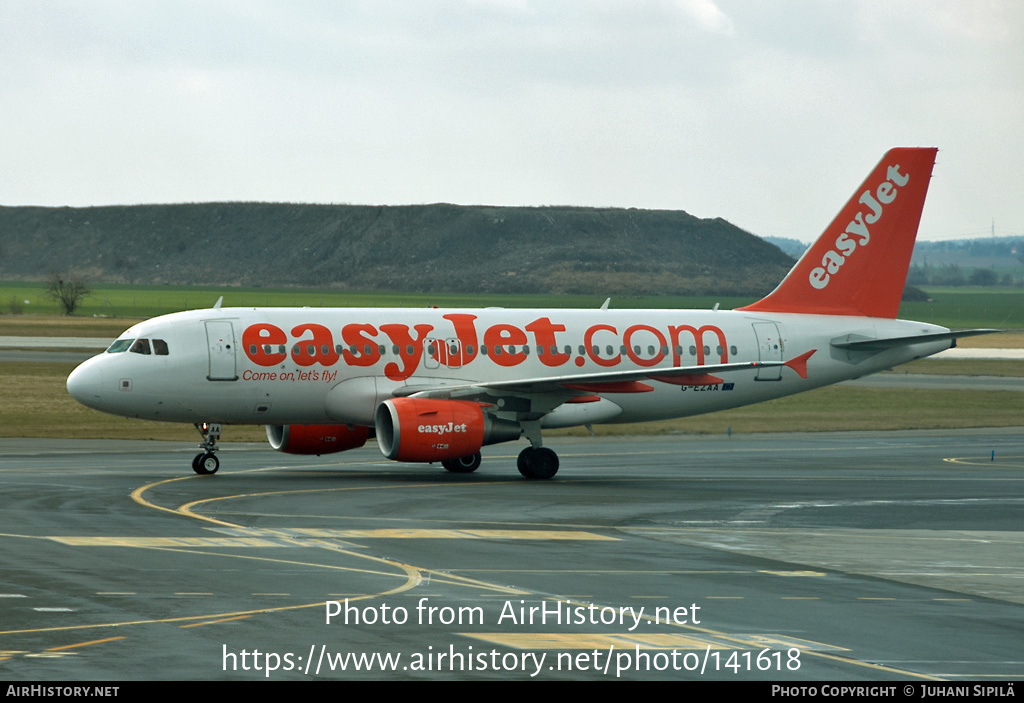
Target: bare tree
67,290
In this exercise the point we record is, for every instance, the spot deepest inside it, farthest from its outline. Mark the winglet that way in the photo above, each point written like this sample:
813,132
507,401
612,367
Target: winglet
799,364
859,264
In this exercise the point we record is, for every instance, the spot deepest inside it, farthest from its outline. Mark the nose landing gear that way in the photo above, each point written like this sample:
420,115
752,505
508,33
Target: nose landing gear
206,461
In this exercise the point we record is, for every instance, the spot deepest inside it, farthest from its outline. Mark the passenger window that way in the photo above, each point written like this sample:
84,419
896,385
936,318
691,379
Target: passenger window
141,346
160,347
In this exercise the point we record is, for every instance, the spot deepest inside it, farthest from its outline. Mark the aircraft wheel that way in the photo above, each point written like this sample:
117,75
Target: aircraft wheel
463,465
205,464
539,462
523,462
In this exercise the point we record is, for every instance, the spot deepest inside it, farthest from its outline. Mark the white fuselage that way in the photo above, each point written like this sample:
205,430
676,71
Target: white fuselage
335,365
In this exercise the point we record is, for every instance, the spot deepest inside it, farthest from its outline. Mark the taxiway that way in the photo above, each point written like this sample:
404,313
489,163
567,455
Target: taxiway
868,555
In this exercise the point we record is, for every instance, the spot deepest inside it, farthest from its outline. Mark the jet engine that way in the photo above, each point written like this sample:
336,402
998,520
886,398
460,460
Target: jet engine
423,429
316,439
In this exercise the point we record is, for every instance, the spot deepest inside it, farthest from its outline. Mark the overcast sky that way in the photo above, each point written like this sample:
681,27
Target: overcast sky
768,114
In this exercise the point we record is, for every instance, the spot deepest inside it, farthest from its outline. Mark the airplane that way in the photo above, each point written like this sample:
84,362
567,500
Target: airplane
436,385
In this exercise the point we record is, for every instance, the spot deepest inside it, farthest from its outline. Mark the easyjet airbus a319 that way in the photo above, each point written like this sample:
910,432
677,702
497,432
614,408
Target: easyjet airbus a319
436,385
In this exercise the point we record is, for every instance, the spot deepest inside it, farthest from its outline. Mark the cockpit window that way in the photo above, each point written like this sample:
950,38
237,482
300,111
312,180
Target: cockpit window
119,346
160,347
141,346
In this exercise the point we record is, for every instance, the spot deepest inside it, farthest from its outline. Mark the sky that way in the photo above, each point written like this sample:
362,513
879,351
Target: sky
767,114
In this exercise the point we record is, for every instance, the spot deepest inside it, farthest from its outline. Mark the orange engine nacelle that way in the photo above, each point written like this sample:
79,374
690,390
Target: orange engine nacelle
316,439
421,429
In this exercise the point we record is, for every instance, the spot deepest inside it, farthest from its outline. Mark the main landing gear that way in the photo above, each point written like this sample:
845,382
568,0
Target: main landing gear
533,462
463,465
206,461
537,462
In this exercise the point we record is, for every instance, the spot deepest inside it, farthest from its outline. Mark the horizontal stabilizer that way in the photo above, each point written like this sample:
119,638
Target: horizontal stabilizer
857,343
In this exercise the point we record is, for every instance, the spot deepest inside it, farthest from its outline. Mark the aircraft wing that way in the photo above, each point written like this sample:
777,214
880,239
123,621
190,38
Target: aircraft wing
631,381
860,343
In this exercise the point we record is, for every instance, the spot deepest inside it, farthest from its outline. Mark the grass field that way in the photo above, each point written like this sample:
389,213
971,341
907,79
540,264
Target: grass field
113,308
1003,340
962,307
145,302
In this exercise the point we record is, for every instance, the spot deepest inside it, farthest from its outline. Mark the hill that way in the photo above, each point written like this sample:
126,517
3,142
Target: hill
981,261
792,247
427,248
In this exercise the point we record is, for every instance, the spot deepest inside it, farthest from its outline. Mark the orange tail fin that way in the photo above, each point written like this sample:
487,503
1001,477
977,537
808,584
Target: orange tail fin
859,264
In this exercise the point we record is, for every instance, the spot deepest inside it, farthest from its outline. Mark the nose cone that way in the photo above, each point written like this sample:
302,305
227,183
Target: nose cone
85,384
